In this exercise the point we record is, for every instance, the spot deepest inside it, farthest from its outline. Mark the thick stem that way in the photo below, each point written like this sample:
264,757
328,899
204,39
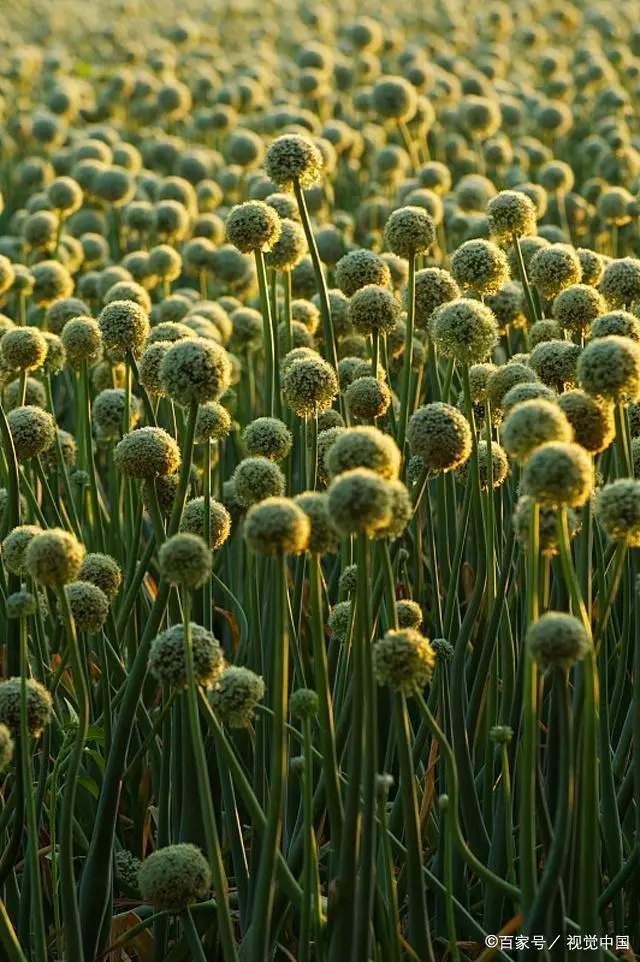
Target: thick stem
258,935
71,915
408,355
268,335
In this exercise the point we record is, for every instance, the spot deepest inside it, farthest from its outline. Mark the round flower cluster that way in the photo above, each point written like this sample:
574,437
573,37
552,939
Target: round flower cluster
277,525
403,660
464,329
236,695
167,659
174,877
39,706
440,435
557,640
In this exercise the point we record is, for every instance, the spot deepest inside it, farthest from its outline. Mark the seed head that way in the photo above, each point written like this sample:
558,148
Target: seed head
213,422
39,708
544,330
82,341
195,370
401,512
33,431
557,640
253,226
267,437
52,282
23,349
619,323
360,501
89,605
531,424
511,213
592,420
609,368
577,306
14,547
409,614
403,660
367,398
290,247
410,231
147,453
277,525
592,265
340,618
236,696
440,435
499,465
394,98
293,158
465,330
165,262
617,509
103,571
108,413
481,266
374,308
193,521
174,877
434,286
303,703
360,268
553,268
309,385
167,657
620,284
256,479
364,447
558,474
555,363
53,557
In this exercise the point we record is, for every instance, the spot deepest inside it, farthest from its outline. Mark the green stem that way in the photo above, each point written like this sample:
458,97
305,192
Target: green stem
71,916
321,283
588,794
522,271
330,766
258,936
408,355
527,836
554,867
225,925
8,937
474,863
268,334
448,878
36,903
185,470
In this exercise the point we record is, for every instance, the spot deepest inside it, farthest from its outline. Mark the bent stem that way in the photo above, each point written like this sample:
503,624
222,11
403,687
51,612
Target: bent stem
498,883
